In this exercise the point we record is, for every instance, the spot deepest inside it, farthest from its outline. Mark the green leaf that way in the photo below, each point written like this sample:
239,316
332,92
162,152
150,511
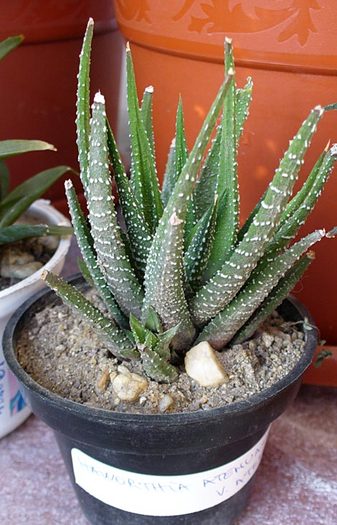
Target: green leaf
300,196
141,334
199,249
321,357
84,271
158,368
177,156
18,200
146,114
119,343
143,169
164,341
224,285
8,44
138,232
4,180
274,299
225,324
18,232
303,203
226,180
147,340
168,297
207,184
83,102
152,321
228,177
164,271
90,265
217,254
10,148
243,100
251,218
105,231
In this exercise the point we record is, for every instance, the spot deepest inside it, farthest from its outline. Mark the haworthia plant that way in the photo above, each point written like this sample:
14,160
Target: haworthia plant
177,270
14,203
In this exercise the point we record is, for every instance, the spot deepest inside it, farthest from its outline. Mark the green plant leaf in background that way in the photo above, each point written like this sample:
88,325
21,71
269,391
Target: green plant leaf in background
18,200
11,148
10,43
4,180
18,232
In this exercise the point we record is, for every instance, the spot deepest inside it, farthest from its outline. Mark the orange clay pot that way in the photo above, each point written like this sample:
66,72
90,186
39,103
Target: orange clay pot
38,79
289,48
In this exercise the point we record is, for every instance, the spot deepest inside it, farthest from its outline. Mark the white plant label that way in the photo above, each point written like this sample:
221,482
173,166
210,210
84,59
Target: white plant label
165,495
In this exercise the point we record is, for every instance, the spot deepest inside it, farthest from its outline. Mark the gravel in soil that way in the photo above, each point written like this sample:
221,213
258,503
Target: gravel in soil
21,259
63,354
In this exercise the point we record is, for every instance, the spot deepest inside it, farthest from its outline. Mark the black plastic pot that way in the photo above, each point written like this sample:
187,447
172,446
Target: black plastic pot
160,445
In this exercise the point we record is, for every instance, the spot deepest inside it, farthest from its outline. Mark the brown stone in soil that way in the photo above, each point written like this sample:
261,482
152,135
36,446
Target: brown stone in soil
103,380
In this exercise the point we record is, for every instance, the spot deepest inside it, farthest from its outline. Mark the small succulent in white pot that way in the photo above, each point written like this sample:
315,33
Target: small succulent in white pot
182,271
24,217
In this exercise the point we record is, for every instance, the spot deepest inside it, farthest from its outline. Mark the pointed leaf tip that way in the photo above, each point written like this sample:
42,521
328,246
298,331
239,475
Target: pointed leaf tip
68,184
99,98
333,149
320,109
332,233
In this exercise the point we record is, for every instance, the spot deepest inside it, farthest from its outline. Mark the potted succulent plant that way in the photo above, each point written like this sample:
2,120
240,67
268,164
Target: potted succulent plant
162,384
24,219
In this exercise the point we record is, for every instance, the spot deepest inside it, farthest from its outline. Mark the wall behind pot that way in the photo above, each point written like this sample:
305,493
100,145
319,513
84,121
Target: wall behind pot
289,48
38,79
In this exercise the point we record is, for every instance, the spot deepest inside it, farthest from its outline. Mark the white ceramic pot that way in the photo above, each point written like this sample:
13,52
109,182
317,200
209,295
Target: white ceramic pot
13,407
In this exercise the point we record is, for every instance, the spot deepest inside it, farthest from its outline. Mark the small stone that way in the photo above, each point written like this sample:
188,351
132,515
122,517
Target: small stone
252,344
142,400
129,387
50,243
165,403
123,370
17,264
267,339
203,366
21,271
286,339
103,381
113,374
14,256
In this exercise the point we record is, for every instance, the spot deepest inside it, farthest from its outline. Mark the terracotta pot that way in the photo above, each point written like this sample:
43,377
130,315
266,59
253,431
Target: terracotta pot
38,79
289,48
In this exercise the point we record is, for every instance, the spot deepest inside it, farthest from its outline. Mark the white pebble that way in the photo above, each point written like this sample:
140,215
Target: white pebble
203,366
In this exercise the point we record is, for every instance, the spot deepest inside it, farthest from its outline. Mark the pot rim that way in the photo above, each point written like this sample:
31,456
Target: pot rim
53,217
95,413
